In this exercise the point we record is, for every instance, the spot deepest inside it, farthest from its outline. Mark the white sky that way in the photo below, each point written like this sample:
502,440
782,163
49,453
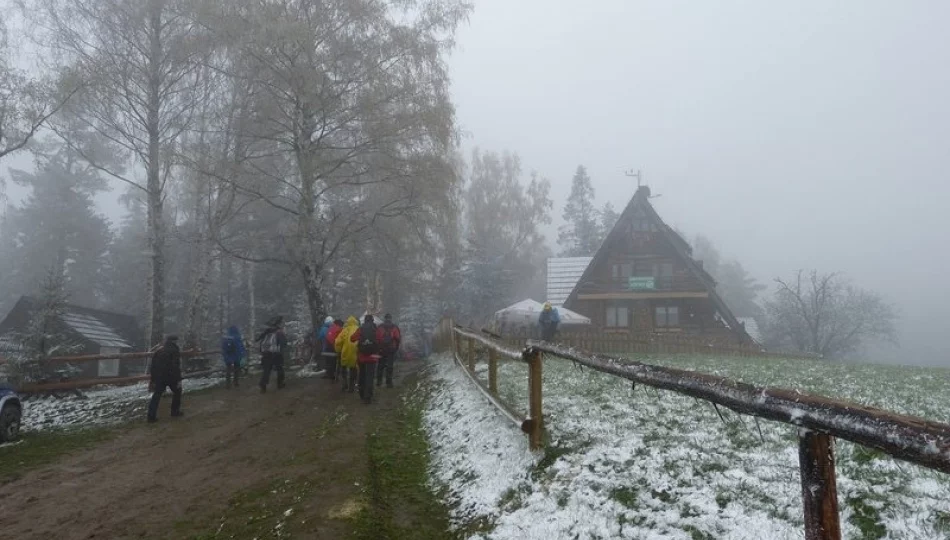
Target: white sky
794,135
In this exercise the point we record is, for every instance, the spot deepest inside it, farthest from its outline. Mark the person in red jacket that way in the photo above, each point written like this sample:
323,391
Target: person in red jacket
367,339
389,340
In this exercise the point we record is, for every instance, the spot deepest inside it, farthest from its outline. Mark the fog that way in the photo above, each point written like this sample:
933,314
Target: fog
795,135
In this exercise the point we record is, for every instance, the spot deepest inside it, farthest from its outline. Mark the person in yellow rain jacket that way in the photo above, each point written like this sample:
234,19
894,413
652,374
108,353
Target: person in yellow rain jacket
348,351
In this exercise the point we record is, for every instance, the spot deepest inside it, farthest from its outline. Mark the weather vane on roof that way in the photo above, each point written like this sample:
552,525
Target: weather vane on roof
636,175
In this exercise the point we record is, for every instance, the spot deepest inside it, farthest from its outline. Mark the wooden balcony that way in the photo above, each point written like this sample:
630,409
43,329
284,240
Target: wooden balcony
643,288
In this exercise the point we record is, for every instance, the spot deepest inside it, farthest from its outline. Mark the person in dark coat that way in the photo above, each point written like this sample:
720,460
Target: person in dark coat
389,339
273,347
367,339
165,372
548,321
233,352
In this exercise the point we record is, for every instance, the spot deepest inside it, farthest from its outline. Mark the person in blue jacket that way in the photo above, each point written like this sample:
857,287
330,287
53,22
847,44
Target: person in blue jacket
321,349
233,352
549,320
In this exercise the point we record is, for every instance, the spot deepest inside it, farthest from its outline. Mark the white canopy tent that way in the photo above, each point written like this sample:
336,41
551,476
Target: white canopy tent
526,313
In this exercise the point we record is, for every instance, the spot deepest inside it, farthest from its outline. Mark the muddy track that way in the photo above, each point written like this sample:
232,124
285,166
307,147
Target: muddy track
171,479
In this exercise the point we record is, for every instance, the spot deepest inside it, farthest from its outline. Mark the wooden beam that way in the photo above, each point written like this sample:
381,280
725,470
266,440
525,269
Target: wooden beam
909,438
643,295
534,401
819,488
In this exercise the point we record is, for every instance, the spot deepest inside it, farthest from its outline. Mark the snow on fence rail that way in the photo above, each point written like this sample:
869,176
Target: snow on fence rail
818,418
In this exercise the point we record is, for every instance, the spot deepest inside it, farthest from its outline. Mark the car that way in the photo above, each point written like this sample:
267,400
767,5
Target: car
11,414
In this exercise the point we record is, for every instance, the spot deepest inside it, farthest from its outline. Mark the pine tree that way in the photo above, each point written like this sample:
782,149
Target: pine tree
608,220
43,337
582,233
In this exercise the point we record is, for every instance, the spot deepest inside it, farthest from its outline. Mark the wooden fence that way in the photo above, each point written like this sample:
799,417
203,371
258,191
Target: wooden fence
31,388
819,419
605,342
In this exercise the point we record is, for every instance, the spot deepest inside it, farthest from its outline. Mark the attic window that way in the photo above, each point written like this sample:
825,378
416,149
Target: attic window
642,225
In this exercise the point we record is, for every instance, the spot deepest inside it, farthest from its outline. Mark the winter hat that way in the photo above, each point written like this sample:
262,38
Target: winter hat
368,318
388,317
328,320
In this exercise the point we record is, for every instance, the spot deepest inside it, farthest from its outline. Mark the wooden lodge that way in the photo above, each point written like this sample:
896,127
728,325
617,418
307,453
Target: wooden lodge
84,331
643,280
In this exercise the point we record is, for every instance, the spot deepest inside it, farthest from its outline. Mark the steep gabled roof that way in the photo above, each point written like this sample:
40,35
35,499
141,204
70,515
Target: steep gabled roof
641,200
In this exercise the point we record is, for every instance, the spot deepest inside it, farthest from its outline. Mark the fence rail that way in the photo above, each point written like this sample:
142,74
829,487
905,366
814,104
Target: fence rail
819,419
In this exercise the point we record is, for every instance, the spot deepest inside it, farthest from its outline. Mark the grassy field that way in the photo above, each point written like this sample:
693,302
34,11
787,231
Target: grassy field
642,464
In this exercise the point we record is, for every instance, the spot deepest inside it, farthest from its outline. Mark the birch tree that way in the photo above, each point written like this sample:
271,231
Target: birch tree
139,62
354,94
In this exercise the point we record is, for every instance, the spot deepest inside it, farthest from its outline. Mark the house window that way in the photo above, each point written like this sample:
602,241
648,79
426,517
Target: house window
622,271
667,316
110,367
618,316
642,225
663,272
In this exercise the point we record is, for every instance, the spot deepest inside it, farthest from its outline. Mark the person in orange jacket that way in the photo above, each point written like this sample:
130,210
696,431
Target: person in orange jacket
367,339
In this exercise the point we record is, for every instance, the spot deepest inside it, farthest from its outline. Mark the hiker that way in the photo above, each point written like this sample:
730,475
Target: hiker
273,346
389,339
165,372
548,320
367,340
333,357
348,353
320,347
233,352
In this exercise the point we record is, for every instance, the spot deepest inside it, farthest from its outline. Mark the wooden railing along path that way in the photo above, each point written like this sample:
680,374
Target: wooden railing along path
819,419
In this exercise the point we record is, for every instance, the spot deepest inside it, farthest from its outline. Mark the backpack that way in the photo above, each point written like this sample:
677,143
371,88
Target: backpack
389,340
270,344
230,347
368,344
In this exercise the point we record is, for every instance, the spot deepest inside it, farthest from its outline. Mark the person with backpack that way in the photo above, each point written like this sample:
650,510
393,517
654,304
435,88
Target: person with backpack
367,339
273,346
233,352
348,352
320,347
389,340
333,357
165,372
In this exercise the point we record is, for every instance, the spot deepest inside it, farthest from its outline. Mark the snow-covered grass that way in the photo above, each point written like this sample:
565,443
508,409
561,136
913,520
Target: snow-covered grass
98,406
108,405
648,464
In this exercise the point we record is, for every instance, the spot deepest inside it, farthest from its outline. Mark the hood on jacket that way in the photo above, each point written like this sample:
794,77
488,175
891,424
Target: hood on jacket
352,321
234,333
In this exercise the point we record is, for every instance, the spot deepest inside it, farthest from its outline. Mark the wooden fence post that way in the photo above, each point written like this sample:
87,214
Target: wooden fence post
471,355
819,490
493,371
534,401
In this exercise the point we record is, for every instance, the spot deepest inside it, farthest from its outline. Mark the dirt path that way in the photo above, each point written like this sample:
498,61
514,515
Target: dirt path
177,478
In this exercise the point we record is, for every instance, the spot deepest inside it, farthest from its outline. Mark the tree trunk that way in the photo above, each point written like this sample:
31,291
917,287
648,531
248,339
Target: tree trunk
251,300
199,294
315,305
156,225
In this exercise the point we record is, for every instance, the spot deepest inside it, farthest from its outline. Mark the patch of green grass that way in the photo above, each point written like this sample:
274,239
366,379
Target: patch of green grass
38,449
942,521
266,511
626,496
552,453
863,454
866,518
398,501
697,534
